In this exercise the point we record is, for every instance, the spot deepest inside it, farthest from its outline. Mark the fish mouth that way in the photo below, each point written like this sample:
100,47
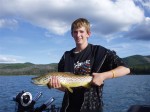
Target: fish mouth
36,82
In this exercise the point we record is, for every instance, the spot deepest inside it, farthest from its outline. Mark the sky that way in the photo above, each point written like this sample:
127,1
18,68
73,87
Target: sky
38,31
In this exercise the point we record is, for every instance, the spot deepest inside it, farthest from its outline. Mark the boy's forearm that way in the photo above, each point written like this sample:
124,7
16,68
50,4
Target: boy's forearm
117,72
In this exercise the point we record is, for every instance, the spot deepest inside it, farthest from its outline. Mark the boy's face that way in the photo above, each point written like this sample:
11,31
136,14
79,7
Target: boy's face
80,35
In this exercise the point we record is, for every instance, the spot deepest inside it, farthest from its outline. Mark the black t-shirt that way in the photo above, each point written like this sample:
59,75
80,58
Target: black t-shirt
83,61
91,59
82,65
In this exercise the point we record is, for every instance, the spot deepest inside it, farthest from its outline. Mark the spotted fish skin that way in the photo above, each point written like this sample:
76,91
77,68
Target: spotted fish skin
66,79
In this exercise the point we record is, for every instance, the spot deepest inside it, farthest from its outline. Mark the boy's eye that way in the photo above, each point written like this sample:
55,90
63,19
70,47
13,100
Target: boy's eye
75,32
81,31
78,31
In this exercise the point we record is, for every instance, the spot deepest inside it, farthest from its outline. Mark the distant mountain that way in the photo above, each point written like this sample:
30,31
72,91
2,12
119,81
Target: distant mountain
137,63
27,68
137,60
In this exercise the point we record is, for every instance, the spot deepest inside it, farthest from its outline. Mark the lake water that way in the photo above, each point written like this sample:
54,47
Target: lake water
118,94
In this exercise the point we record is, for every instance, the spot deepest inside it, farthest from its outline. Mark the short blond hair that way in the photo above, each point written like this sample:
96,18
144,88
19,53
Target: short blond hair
79,23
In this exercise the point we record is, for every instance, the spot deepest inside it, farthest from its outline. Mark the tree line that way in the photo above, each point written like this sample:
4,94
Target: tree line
33,69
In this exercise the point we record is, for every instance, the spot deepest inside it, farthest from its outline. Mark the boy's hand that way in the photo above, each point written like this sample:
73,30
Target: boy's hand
97,79
54,83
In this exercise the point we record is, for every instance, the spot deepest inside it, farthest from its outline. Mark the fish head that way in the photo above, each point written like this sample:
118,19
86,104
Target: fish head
40,81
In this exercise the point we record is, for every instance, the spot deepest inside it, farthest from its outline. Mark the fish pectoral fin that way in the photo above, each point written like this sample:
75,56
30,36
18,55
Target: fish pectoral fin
49,86
70,89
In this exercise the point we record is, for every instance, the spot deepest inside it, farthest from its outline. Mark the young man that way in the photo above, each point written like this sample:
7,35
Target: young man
86,58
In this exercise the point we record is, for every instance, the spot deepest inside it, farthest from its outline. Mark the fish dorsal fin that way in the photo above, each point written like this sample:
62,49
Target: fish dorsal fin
87,74
69,73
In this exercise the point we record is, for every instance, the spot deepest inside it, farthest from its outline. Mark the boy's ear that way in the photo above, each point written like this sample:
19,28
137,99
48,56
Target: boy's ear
89,33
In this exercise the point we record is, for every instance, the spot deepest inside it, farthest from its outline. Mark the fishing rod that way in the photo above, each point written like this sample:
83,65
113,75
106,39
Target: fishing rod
25,103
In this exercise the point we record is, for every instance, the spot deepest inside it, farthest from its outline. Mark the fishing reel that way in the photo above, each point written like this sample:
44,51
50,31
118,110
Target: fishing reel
25,103
24,98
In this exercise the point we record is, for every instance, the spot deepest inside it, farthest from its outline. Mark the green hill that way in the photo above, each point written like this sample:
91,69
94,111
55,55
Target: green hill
137,60
26,68
137,63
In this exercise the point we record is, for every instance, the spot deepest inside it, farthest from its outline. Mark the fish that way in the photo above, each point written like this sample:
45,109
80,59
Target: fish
66,79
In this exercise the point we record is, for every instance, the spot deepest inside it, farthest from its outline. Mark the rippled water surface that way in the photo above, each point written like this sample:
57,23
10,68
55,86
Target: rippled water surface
118,94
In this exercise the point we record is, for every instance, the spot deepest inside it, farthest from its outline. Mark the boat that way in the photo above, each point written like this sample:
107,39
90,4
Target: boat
139,108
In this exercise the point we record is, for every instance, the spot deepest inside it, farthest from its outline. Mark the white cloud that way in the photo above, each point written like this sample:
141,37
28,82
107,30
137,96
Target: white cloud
144,3
4,59
140,31
125,49
10,59
56,15
8,23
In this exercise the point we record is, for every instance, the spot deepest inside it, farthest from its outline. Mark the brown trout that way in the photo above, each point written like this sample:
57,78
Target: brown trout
66,79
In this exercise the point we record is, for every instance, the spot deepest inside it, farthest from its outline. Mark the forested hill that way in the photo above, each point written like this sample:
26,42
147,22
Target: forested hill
137,60
26,68
138,64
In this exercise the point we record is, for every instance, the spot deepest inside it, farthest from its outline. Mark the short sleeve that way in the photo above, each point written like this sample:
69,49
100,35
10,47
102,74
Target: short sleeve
112,61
